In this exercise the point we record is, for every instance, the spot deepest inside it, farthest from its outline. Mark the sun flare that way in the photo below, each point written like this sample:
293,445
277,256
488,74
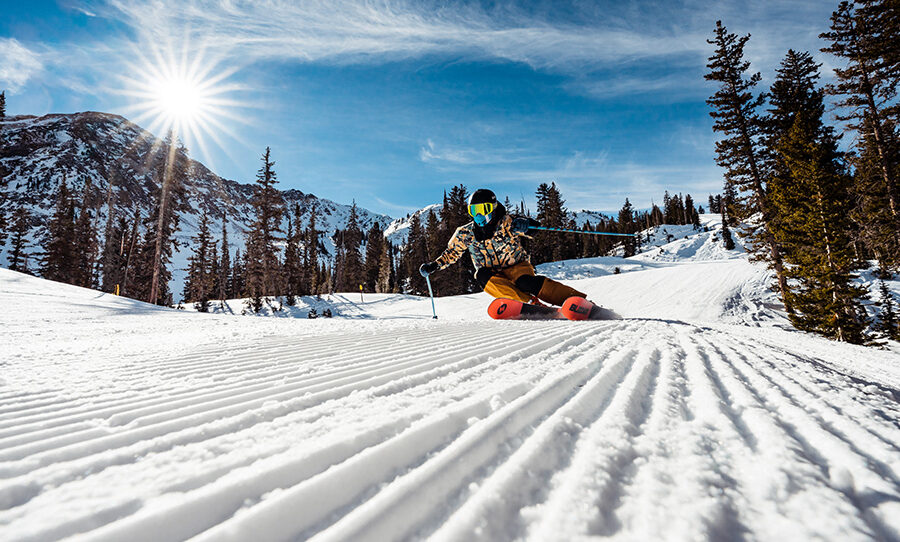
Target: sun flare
181,99
185,94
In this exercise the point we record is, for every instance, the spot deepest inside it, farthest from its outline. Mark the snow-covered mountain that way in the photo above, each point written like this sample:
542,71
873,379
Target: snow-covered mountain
36,153
585,216
398,230
699,416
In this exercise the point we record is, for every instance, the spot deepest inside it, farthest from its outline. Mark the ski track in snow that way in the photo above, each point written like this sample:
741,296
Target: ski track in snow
631,429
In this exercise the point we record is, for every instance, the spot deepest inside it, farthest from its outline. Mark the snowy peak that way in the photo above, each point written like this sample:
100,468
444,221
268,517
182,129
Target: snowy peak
585,216
398,230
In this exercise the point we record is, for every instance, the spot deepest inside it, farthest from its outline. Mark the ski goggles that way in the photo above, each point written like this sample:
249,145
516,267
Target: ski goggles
481,209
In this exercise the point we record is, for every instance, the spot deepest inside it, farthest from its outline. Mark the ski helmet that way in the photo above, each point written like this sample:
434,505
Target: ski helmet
482,204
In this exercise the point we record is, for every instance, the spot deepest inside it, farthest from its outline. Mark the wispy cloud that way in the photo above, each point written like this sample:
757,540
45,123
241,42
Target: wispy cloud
354,31
588,45
669,86
449,155
19,64
392,206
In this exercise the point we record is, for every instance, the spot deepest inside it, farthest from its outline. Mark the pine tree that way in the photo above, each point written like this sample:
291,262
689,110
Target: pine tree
813,229
112,260
353,271
626,225
224,263
866,37
692,215
261,256
742,152
876,228
657,218
434,246
86,242
689,210
415,254
3,225
589,246
811,192
433,237
129,252
326,279
551,213
726,232
214,272
374,248
21,225
113,236
340,253
674,209
458,278
142,260
885,17
3,104
237,287
293,271
170,173
311,247
867,83
199,284
888,321
386,272
667,208
253,278
59,240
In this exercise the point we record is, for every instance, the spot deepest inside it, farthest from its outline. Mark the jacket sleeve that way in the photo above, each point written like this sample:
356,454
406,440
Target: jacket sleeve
455,249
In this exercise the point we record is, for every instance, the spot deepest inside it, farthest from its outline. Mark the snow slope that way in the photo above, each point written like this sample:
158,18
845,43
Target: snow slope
699,416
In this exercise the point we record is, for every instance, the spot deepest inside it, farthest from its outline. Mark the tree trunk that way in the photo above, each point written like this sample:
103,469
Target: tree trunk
831,266
157,253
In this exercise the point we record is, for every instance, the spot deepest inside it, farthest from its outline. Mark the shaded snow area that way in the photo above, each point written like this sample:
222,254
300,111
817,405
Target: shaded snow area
698,416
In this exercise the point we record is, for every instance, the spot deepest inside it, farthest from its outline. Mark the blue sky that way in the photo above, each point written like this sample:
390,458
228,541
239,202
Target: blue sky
390,103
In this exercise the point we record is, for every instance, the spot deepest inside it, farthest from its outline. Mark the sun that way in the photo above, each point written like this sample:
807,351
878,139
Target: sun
181,99
183,93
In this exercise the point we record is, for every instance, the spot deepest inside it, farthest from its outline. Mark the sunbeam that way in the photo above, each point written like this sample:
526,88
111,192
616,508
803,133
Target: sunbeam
184,92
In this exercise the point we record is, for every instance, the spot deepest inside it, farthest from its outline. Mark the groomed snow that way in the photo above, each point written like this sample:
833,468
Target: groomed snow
699,416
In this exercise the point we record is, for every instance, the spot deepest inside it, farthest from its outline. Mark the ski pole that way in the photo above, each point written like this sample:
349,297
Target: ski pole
431,294
579,231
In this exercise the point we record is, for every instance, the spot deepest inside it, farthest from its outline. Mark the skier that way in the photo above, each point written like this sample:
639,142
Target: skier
502,267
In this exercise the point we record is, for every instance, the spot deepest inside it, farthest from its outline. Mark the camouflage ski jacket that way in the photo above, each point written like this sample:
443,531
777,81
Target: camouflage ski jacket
503,249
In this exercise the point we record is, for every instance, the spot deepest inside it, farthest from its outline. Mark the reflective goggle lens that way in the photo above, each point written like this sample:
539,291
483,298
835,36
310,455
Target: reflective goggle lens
481,209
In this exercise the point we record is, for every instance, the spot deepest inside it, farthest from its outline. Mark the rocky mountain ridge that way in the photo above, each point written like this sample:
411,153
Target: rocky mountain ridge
113,155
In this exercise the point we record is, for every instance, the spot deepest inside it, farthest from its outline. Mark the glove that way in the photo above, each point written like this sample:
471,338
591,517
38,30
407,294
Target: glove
520,225
428,268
